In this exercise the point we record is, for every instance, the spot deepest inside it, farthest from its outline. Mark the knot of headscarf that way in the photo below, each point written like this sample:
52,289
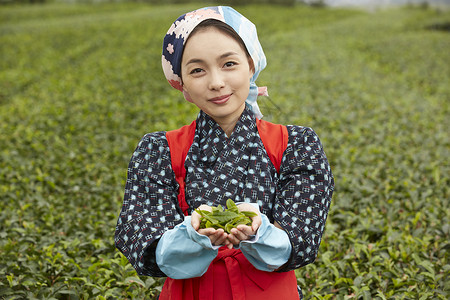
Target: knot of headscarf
178,34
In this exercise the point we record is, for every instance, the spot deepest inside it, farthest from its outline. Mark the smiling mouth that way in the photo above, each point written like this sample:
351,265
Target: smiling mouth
220,99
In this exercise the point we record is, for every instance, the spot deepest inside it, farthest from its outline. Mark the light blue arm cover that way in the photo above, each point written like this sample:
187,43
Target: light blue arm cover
270,249
184,253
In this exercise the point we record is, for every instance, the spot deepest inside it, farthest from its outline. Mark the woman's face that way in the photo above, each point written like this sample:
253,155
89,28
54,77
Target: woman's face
216,74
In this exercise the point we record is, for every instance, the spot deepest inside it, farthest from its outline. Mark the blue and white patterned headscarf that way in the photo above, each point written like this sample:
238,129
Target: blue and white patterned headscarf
178,34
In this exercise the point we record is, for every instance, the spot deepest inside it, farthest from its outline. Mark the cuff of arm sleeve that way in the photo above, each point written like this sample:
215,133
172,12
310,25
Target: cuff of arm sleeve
270,250
184,253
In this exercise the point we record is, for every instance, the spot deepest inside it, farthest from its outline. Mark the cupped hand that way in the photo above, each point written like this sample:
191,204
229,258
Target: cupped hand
195,217
245,232
218,237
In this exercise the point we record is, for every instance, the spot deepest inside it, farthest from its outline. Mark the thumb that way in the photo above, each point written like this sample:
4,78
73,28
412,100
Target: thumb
195,221
256,222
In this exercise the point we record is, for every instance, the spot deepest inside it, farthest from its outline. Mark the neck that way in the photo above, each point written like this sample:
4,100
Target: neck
228,123
228,127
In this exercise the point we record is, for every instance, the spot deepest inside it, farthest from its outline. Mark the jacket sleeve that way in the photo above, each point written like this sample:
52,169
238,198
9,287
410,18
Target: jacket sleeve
150,205
270,249
304,195
184,253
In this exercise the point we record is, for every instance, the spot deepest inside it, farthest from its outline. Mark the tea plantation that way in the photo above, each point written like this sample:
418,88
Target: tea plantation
81,84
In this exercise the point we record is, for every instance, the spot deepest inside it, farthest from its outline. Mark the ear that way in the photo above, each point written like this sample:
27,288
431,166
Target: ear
187,96
183,86
251,66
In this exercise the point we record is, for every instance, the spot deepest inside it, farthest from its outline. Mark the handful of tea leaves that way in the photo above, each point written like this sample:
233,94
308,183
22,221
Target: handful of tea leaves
225,219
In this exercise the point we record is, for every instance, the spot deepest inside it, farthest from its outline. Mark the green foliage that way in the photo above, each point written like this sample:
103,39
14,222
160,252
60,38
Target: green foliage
80,84
225,218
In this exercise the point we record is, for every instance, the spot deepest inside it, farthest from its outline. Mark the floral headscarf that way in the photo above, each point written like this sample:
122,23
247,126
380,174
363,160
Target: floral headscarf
178,34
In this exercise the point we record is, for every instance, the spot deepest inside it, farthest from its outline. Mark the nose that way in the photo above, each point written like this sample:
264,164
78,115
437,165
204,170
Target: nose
216,80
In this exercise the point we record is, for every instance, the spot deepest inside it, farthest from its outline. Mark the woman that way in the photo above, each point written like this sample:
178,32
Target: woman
213,56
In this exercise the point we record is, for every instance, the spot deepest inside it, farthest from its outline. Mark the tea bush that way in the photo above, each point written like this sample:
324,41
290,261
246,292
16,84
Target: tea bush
80,84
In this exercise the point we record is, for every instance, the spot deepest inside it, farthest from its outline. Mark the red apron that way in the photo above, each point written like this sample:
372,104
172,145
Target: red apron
232,277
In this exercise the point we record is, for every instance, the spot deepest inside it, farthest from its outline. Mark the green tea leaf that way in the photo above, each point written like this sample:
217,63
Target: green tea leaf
226,219
232,206
225,216
249,213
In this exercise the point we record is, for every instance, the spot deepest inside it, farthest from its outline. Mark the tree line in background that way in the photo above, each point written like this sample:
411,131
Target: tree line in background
225,2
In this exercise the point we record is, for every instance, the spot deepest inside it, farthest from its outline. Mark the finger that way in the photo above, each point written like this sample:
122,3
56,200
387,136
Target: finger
221,239
215,236
227,243
245,231
205,207
238,235
247,207
256,222
195,221
233,239
207,231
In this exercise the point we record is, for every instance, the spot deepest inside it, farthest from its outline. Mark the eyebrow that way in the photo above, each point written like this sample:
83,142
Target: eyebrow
199,60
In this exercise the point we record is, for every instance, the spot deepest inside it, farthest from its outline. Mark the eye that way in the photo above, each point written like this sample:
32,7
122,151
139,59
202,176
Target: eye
229,64
195,71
